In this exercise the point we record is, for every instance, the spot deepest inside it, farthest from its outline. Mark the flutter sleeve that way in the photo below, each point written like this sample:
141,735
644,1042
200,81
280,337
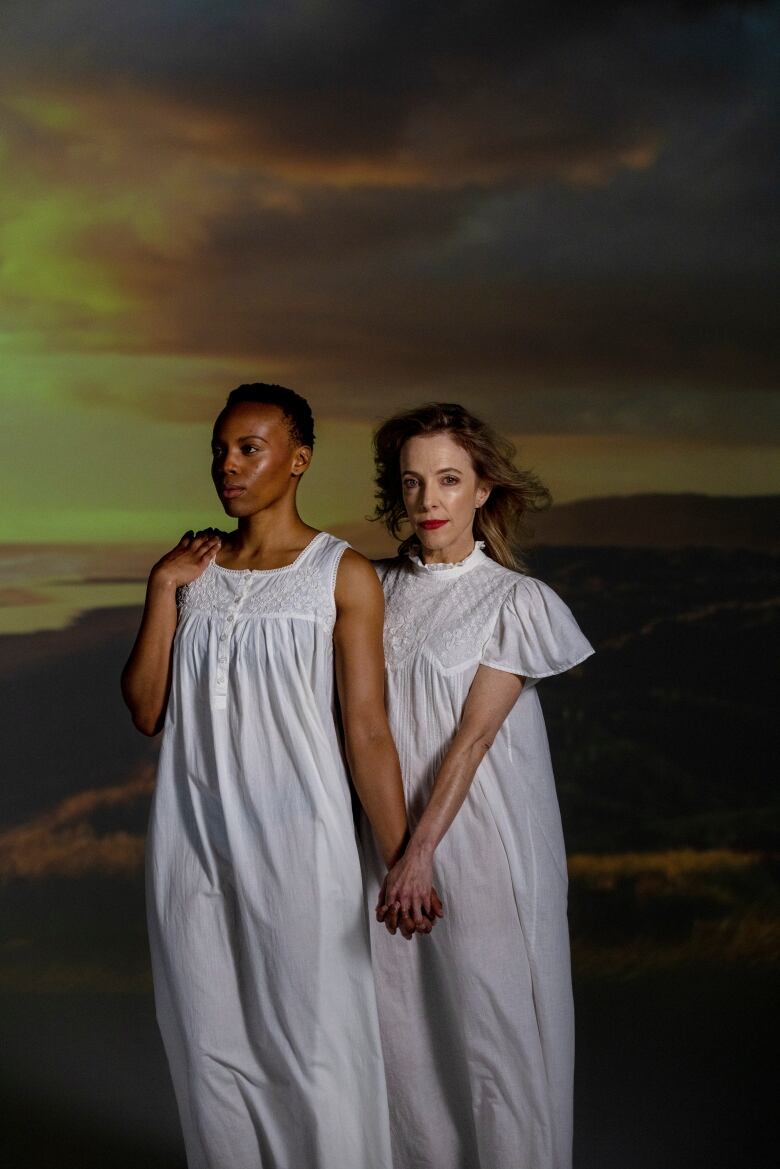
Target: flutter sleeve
535,634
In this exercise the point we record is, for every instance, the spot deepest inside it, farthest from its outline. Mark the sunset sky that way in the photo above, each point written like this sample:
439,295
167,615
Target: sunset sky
561,215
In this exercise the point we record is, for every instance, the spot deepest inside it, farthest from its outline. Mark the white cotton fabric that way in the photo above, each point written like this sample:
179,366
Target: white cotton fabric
257,924
477,1019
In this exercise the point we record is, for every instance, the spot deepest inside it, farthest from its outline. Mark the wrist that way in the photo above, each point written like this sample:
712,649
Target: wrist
391,854
161,581
422,846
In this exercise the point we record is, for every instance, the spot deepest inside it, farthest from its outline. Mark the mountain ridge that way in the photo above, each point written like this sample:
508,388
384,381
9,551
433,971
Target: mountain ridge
645,520
662,520
642,520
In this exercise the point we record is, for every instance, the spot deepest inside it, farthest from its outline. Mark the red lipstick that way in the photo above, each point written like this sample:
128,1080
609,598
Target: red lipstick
432,525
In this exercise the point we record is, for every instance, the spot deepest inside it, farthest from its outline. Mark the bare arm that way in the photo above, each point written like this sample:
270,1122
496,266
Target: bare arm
371,753
492,695
146,679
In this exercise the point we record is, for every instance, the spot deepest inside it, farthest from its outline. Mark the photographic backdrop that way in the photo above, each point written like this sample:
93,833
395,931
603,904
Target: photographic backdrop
561,216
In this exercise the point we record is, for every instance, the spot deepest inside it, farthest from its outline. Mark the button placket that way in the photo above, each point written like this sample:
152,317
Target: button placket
220,692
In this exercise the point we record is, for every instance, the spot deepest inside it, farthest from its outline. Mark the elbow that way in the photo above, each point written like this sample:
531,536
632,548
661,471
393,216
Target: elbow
476,746
482,746
366,737
147,722
147,725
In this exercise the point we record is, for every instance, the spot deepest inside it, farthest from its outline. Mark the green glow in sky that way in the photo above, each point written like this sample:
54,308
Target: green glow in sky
76,471
153,256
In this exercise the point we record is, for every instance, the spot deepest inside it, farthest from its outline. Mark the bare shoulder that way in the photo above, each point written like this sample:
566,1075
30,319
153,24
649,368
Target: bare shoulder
356,581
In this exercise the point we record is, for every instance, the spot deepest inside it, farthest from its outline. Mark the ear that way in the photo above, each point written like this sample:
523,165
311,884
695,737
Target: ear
483,491
301,461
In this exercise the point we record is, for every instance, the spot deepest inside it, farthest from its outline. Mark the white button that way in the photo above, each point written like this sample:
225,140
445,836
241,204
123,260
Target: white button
231,618
220,678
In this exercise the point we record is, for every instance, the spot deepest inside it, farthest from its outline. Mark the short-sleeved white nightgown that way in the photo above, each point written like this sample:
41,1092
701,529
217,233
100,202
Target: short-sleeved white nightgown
477,1019
258,932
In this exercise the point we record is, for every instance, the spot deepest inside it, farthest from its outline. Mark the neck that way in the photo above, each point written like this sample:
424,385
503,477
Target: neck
277,526
452,554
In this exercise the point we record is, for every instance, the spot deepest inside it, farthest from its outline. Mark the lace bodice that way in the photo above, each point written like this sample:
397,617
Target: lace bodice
444,611
247,622
303,588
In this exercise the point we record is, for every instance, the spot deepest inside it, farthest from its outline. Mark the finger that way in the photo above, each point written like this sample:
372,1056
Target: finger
436,904
407,926
421,924
200,545
381,912
431,919
181,547
209,549
391,920
404,903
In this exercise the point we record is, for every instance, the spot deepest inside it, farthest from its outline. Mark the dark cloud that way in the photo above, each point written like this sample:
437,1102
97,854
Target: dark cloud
567,209
446,93
423,308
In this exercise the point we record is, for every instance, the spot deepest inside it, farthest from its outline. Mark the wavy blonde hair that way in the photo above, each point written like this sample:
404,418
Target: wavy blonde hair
501,521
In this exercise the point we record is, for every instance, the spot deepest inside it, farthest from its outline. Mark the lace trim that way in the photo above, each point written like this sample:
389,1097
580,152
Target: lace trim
267,571
475,557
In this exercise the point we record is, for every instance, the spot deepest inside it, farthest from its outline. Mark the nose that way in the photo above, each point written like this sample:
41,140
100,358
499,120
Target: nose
225,463
428,495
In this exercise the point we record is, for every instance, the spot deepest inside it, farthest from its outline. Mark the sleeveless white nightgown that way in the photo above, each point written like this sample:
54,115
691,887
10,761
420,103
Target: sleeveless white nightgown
477,1019
258,932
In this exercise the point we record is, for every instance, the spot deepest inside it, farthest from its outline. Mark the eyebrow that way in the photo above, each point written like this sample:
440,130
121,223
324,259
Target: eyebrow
242,438
441,471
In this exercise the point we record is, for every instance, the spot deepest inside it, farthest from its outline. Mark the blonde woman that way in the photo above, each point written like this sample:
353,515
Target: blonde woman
477,1019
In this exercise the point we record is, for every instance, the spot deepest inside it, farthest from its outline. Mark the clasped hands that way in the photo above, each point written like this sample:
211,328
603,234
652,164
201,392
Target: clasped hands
407,899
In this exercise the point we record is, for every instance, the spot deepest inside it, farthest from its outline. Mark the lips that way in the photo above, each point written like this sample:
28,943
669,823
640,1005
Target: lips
432,525
231,491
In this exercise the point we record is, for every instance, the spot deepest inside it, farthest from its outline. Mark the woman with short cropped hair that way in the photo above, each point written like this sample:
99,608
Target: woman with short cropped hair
257,926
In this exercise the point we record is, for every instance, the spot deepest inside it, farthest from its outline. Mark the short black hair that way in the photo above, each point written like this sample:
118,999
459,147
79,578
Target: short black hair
296,409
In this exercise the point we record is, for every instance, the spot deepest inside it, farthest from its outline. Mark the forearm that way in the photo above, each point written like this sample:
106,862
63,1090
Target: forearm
146,677
376,774
450,789
408,890
492,695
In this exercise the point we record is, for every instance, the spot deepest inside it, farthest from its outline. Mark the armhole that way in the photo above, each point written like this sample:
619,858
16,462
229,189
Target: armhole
339,551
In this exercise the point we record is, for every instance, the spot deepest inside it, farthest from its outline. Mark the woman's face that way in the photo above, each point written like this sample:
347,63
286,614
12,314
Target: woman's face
441,492
254,463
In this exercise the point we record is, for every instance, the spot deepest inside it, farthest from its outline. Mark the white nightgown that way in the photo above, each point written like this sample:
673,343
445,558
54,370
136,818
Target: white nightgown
259,940
477,1019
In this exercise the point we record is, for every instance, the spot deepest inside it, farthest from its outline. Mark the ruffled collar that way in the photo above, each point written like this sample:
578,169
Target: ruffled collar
448,571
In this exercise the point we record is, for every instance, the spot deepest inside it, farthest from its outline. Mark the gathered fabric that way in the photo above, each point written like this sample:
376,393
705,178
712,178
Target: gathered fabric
257,925
477,1019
